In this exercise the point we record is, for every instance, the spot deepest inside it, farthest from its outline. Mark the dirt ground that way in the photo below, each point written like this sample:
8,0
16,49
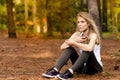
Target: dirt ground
28,58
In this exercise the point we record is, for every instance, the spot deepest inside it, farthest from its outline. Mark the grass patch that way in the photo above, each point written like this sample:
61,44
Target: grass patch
106,74
109,35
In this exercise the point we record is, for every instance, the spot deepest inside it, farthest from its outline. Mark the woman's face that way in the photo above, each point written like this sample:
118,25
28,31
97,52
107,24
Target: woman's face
82,24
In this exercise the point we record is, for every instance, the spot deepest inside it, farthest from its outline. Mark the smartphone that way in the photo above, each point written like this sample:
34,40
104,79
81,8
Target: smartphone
81,34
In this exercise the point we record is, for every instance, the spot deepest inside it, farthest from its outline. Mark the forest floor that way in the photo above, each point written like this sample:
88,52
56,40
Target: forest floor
28,58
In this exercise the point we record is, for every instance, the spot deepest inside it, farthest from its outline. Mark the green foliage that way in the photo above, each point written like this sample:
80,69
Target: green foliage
19,12
3,14
41,9
116,15
108,35
63,16
3,27
107,74
118,23
2,2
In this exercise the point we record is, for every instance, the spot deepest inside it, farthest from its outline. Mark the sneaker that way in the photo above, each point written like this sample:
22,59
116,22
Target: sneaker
64,76
51,73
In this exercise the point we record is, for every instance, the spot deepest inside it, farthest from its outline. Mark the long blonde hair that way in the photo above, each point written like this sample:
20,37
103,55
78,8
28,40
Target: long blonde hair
93,27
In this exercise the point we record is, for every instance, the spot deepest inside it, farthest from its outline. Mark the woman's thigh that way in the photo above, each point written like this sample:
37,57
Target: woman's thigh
92,65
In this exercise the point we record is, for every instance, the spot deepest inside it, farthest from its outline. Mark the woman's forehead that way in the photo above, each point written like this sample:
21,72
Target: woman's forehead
81,18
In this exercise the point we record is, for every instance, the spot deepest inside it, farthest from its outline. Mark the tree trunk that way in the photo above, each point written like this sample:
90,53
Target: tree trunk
81,4
49,19
40,8
94,11
26,15
62,20
34,17
10,23
104,19
99,9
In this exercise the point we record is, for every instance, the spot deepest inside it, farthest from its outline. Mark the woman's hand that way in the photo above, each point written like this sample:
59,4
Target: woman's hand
69,42
76,38
81,39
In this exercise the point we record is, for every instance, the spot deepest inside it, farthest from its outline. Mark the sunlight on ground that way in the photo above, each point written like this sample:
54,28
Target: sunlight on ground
42,55
106,57
35,55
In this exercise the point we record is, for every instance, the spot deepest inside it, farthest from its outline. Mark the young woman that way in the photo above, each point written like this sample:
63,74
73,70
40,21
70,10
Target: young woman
87,40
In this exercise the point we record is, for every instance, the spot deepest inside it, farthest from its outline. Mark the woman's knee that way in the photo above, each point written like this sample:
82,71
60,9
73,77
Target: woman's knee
70,49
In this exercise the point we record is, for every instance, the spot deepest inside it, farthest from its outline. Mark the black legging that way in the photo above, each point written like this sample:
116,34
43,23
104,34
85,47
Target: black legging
91,67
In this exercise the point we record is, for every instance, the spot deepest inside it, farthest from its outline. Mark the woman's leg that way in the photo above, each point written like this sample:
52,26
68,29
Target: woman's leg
92,65
79,64
69,52
87,63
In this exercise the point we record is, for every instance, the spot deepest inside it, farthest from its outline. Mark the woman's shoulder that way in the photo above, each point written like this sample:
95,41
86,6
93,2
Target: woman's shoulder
92,35
75,34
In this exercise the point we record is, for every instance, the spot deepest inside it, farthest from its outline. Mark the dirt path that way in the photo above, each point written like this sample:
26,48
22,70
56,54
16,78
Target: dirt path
27,59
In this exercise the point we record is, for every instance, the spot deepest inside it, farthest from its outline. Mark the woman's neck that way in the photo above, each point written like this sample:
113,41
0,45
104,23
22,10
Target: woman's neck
86,32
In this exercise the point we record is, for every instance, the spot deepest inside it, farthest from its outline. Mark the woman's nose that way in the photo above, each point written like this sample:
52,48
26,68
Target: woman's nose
79,24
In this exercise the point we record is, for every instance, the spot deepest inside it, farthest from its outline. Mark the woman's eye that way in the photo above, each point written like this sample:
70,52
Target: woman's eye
82,21
78,21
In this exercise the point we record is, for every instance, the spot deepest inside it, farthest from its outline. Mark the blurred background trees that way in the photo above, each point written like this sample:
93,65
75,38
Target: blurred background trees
56,17
10,19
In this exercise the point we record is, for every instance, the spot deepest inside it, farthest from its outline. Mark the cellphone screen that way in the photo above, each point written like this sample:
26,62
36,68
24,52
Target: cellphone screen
81,33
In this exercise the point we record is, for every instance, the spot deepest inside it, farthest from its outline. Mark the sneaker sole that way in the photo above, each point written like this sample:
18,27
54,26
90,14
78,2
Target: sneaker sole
58,76
48,76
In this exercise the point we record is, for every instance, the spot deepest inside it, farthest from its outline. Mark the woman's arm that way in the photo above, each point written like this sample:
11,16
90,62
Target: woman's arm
75,37
65,45
83,46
